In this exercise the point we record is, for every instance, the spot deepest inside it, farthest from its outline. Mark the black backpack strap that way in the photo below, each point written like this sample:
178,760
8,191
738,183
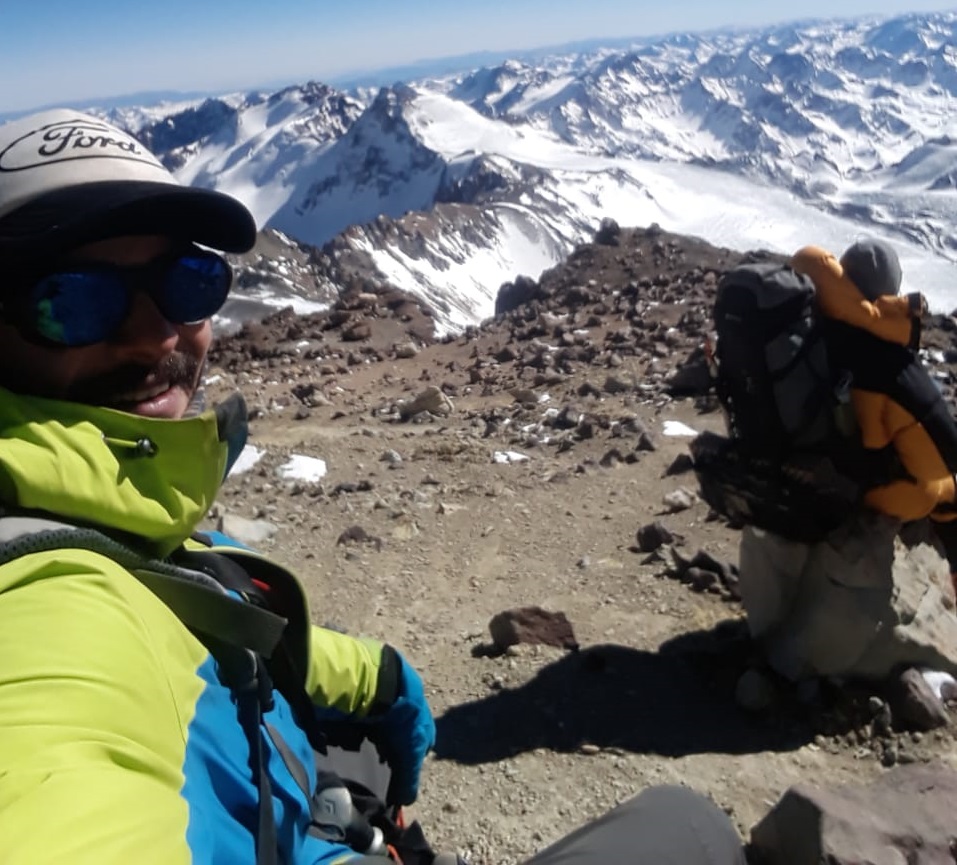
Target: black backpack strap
207,611
245,674
197,598
287,660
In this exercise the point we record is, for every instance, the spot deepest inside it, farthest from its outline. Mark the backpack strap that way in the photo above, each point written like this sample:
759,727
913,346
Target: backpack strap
237,571
246,676
197,599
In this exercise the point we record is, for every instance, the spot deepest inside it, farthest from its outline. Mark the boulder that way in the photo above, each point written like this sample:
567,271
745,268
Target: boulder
512,295
250,532
609,233
863,603
432,400
906,817
532,625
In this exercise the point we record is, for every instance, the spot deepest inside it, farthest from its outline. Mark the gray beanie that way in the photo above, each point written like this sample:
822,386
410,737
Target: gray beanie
873,267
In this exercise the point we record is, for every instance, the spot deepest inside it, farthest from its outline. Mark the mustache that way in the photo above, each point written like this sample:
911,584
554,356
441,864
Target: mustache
179,370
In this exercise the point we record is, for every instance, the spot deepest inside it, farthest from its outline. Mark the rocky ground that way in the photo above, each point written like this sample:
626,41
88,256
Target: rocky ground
545,452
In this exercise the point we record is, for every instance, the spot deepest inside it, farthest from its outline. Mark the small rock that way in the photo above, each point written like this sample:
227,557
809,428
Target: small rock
525,396
611,459
358,331
406,350
680,499
406,528
652,536
363,486
883,721
680,465
915,704
609,233
432,400
615,384
358,535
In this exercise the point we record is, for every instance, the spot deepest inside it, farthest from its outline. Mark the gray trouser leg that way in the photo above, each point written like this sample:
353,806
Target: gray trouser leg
661,826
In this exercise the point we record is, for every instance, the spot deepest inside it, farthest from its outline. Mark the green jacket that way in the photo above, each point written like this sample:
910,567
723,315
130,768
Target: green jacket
118,739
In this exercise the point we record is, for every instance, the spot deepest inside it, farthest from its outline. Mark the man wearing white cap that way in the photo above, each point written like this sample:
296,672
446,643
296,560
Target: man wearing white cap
138,718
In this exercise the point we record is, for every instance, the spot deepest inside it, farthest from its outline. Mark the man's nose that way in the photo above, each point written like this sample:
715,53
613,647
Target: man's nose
146,336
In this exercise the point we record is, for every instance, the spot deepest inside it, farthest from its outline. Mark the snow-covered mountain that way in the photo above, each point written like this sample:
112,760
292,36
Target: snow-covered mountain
778,137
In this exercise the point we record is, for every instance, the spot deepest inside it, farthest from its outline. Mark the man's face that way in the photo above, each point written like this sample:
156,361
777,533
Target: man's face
150,367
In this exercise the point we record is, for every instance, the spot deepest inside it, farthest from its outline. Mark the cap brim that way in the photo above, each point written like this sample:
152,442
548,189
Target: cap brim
59,220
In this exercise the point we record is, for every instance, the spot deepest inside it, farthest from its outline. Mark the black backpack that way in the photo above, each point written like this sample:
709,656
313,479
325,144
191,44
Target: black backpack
773,376
779,468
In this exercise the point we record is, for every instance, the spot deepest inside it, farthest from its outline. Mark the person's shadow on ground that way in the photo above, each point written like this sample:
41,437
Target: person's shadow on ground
678,701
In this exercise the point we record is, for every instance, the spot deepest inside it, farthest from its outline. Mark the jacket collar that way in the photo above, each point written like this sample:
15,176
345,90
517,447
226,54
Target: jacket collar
151,480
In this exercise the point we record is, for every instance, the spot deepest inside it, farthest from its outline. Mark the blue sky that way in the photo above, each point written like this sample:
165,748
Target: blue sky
70,51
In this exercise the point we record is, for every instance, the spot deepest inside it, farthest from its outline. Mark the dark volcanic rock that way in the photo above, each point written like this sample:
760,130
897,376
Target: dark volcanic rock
532,625
518,293
380,317
906,815
609,233
653,536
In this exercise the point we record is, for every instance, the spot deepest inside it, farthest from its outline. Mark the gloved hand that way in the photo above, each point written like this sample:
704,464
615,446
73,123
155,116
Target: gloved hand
406,733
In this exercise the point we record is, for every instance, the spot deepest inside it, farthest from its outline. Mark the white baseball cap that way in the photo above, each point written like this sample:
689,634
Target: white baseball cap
67,178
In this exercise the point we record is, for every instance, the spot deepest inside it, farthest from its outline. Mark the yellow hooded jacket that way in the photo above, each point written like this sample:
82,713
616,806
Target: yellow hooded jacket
896,403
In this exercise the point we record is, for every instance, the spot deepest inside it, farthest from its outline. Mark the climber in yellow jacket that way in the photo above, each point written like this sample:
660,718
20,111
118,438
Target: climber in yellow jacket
875,334
138,722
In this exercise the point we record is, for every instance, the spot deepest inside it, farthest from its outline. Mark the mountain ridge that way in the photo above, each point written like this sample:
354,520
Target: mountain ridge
850,119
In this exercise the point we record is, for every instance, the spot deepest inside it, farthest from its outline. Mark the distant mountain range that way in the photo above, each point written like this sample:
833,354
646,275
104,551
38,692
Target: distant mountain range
448,186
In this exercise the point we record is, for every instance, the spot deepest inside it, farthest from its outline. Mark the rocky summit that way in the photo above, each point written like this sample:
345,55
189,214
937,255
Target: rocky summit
534,470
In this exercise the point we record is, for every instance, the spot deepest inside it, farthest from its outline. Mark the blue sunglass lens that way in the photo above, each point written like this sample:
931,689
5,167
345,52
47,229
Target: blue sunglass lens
78,308
194,288
82,307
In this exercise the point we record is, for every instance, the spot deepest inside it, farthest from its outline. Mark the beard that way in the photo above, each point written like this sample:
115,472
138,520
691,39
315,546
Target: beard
178,370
